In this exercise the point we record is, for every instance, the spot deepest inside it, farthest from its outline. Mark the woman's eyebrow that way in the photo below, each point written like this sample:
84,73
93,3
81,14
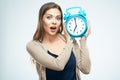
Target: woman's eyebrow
53,15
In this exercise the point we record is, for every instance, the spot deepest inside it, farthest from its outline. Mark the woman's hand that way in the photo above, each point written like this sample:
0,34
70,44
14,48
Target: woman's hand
88,31
67,36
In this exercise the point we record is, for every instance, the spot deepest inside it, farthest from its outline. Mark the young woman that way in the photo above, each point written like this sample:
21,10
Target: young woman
56,56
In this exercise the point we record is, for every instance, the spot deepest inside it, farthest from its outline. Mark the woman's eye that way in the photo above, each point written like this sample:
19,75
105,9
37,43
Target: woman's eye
58,18
48,17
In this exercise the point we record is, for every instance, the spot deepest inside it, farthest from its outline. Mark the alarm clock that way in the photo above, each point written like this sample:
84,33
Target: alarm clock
76,23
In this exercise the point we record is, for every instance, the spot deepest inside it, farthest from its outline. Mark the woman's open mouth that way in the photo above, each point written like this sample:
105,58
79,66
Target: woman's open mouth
53,28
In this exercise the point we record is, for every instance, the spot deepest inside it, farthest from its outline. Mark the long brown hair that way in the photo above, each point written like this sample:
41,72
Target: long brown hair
38,35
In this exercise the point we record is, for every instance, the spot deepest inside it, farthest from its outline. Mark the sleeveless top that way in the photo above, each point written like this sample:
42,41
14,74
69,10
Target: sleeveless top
69,72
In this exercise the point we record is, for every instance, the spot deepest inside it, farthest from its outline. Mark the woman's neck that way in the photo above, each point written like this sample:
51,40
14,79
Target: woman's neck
50,38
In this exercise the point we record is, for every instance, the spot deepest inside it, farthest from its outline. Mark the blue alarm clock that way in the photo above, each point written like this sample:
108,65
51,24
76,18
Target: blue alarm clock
76,24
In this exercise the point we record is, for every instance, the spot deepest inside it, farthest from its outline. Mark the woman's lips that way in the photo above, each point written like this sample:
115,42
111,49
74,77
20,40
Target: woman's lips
53,28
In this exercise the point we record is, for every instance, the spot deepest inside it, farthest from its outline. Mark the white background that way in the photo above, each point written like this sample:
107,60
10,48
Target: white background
18,19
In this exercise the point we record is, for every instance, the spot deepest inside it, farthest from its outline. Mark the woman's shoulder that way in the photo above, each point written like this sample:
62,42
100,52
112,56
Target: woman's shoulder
33,43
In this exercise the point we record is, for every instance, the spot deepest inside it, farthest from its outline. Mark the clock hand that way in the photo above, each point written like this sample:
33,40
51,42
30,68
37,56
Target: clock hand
75,24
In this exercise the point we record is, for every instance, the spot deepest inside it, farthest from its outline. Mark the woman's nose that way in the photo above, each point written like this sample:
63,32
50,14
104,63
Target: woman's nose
54,21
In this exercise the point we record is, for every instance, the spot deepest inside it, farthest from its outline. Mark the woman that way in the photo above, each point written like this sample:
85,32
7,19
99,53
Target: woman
56,56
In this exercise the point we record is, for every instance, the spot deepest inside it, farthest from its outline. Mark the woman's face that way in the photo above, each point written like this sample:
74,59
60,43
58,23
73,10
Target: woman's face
51,21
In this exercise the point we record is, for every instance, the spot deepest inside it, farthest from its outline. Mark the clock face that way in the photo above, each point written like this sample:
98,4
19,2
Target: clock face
76,26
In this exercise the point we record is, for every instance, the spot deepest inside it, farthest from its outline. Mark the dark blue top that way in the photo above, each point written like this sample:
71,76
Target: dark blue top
69,72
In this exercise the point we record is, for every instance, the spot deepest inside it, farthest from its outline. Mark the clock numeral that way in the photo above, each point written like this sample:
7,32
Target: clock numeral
82,27
73,19
80,30
70,23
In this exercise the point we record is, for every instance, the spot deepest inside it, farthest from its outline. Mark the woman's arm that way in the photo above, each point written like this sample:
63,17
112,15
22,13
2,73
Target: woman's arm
84,63
39,53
